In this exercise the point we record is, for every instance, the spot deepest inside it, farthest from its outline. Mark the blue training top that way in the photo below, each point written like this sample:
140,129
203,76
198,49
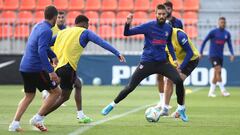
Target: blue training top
217,37
157,36
35,58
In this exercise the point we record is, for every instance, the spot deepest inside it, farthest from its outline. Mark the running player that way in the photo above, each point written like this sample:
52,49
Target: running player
37,71
175,23
68,46
218,37
82,118
154,58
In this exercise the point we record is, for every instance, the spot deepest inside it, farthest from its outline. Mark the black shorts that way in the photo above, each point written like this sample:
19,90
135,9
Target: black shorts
190,67
40,80
67,77
216,61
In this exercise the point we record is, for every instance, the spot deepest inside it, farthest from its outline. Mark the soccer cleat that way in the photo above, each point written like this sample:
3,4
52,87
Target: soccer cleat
211,94
85,120
164,112
14,128
107,109
225,93
38,124
183,115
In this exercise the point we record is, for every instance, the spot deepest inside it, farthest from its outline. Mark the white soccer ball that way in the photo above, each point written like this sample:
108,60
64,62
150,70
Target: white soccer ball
97,81
152,114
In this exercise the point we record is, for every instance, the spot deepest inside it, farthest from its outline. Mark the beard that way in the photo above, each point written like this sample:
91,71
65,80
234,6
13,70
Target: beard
161,21
169,15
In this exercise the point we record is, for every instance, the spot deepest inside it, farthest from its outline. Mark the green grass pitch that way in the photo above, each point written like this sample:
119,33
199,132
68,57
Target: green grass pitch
207,116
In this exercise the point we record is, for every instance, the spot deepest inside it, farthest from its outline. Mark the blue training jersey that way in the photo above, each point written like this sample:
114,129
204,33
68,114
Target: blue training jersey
35,58
157,36
218,37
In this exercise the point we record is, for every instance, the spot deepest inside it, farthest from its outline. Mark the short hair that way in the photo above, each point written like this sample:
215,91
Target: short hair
81,18
222,18
160,6
168,4
61,12
50,12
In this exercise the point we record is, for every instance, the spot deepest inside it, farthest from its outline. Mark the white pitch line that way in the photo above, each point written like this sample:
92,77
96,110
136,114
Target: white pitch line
91,125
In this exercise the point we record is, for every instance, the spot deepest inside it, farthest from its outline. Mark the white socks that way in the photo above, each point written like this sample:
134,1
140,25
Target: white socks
221,86
180,107
38,117
212,88
15,123
113,104
80,114
166,106
161,95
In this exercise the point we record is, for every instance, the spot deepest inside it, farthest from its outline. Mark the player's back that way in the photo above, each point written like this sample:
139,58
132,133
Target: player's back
31,61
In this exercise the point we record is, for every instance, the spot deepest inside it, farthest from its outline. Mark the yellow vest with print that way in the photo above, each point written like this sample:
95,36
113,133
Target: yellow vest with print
179,51
67,47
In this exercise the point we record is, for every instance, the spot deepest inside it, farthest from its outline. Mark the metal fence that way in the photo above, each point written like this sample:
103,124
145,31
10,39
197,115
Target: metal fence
13,37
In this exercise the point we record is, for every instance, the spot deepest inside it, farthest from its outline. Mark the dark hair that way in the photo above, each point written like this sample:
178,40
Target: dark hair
50,12
160,6
222,18
168,4
81,18
61,12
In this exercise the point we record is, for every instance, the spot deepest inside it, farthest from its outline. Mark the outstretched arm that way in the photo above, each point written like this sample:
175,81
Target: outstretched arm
135,30
91,36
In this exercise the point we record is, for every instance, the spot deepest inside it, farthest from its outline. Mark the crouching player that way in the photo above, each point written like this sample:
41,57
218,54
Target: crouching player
187,57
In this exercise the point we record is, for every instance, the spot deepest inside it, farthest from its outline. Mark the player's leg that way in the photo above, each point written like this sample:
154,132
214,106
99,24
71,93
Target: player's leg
160,86
67,78
78,99
224,92
168,90
170,72
30,90
186,71
44,83
216,66
141,72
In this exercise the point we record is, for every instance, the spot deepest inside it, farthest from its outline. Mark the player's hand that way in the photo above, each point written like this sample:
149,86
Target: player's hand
129,18
122,58
232,58
55,61
53,76
200,56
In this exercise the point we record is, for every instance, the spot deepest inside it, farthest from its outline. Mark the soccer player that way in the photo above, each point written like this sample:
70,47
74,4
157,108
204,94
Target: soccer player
175,23
68,46
82,118
218,37
154,58
188,58
37,72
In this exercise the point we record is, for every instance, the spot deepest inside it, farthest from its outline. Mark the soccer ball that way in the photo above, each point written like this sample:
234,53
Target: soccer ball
97,81
152,114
